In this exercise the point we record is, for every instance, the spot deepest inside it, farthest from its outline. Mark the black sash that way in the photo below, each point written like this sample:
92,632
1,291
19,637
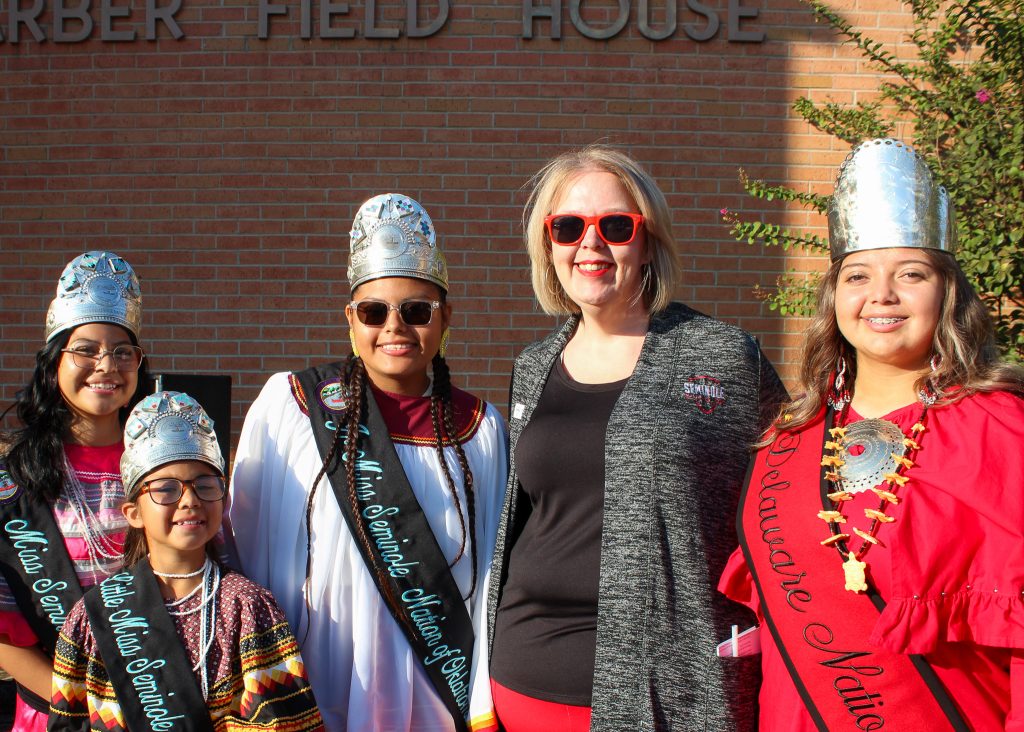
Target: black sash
35,562
820,628
432,614
147,665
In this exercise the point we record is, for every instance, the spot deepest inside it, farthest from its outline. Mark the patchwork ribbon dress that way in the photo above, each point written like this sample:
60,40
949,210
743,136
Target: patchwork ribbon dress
118,666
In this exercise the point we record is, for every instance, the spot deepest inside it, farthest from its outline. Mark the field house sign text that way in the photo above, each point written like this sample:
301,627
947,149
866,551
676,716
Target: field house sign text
72,21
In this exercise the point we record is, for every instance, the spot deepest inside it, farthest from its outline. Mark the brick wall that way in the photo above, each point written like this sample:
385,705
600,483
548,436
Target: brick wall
226,168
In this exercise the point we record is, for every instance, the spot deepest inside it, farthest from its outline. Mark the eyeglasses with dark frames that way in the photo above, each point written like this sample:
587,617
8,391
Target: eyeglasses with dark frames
168,491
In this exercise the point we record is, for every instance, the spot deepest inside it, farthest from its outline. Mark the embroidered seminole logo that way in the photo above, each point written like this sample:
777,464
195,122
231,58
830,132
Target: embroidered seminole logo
706,392
8,488
332,396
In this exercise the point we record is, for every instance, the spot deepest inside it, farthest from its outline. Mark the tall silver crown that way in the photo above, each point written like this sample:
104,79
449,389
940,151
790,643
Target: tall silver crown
96,287
392,236
164,428
886,197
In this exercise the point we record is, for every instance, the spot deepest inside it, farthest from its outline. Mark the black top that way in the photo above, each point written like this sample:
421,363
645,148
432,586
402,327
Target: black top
546,626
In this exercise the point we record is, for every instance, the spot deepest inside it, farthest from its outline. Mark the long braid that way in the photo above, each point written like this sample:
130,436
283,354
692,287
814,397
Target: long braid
356,396
441,407
309,502
354,378
436,409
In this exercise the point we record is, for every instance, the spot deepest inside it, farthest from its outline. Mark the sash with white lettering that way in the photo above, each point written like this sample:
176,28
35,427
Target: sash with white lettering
822,629
35,562
38,570
148,667
404,550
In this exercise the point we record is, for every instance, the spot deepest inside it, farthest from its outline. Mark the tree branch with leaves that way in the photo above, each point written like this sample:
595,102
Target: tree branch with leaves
962,95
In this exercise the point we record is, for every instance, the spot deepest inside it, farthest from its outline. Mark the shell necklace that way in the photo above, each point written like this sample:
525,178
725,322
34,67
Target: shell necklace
881,466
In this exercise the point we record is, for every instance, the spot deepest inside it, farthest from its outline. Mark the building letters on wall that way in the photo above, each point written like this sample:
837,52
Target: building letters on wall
72,22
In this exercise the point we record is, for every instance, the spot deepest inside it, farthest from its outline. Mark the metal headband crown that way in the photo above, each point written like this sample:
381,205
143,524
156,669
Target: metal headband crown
886,197
96,287
392,236
166,427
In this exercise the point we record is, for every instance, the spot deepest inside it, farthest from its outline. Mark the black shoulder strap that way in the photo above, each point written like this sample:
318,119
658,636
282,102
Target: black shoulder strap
144,659
403,550
35,562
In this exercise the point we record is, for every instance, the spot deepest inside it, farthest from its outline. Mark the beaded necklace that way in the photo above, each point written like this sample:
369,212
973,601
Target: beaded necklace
835,485
186,575
98,544
207,608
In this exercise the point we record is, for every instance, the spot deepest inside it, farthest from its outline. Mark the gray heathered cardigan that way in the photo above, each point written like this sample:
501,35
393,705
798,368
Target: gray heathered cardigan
676,454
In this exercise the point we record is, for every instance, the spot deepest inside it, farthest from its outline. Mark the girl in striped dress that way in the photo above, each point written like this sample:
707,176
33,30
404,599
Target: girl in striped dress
61,527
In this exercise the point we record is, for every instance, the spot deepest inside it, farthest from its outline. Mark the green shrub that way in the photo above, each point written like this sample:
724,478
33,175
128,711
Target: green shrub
963,96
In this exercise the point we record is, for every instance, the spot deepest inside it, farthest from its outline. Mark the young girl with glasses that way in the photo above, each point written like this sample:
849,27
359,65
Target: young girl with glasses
61,528
175,640
366,496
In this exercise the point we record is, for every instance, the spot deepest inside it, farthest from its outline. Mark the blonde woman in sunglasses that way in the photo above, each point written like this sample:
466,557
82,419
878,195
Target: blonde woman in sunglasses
366,496
630,427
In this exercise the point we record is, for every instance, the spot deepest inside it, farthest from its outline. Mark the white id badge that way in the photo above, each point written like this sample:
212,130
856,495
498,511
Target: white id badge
747,643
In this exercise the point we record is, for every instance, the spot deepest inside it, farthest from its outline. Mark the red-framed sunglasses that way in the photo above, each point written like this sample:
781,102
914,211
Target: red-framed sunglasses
613,228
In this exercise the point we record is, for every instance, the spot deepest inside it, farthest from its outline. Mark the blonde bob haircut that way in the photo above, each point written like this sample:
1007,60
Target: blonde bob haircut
660,276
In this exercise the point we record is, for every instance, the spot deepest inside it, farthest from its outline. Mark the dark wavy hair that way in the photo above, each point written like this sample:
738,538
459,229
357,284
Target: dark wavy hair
967,362
34,452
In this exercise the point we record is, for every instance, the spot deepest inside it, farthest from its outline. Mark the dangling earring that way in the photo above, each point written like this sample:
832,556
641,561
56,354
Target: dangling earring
352,340
929,393
444,344
839,394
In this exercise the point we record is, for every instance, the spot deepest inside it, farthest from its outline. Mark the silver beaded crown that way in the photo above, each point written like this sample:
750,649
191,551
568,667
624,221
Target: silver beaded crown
164,428
886,197
392,236
96,287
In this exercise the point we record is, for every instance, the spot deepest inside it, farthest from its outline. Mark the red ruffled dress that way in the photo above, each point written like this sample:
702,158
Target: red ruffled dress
951,571
98,470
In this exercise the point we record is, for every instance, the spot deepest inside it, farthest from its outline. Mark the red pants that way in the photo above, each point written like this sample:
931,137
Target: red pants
520,713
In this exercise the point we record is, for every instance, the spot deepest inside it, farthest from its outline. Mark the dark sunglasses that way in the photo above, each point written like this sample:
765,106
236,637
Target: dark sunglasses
613,228
168,491
412,312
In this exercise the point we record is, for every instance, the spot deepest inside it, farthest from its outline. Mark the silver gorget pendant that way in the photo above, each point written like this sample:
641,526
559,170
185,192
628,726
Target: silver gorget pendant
869,447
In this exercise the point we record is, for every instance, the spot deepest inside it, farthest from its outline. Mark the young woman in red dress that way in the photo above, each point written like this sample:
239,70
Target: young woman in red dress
882,526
